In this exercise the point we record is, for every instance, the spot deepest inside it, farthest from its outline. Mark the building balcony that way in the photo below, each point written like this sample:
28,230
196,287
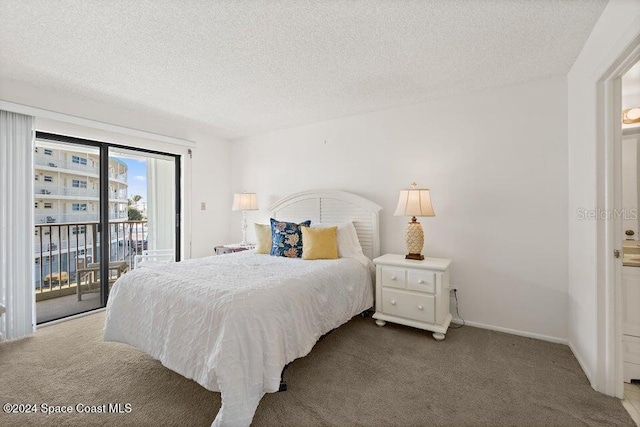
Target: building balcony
54,192
67,218
48,163
75,218
122,177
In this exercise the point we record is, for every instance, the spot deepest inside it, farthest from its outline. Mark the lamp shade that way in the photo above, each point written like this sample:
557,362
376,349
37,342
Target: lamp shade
414,202
244,202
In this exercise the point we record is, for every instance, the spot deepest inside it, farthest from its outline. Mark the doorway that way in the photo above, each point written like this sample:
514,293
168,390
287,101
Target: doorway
610,300
98,205
629,222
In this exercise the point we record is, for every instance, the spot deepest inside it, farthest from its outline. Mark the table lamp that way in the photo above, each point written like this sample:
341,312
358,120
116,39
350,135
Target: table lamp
244,202
414,202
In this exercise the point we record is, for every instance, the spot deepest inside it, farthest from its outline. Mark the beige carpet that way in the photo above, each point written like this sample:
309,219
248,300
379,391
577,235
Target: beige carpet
359,375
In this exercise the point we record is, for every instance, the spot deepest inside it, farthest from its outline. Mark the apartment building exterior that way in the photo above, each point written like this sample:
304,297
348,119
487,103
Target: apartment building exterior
67,206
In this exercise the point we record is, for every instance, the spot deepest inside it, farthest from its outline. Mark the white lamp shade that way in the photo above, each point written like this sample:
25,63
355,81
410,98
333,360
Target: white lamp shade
414,202
244,202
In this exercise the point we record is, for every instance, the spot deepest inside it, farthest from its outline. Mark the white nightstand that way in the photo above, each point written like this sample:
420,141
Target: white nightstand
413,293
235,247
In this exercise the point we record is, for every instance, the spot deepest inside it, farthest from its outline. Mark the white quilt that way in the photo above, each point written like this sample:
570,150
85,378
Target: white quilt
232,322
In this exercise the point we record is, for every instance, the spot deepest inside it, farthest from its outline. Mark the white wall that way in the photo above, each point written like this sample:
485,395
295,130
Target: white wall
618,25
205,177
496,165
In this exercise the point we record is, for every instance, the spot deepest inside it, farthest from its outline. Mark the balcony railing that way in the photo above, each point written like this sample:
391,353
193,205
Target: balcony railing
54,218
63,164
47,161
54,190
63,246
118,176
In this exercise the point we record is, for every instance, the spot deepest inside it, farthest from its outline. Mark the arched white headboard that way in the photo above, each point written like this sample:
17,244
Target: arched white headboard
331,206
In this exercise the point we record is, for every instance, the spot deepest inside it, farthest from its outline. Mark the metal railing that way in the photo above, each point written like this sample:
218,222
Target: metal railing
118,176
54,190
50,162
81,193
59,248
54,218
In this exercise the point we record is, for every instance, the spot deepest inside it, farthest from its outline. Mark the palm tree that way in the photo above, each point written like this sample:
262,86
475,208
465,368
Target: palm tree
133,200
133,212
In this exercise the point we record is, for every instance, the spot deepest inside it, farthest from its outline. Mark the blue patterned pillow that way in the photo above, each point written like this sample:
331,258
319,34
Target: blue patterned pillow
286,238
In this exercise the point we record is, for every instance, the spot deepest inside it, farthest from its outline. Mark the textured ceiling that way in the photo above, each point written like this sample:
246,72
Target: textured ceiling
247,67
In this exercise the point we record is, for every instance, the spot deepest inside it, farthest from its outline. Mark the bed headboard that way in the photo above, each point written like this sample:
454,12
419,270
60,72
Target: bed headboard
334,206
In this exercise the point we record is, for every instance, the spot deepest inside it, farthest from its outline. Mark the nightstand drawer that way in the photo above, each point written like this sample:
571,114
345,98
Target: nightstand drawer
408,305
393,277
421,281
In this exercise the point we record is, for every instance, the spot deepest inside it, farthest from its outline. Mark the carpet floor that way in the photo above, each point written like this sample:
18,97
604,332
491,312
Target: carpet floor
359,375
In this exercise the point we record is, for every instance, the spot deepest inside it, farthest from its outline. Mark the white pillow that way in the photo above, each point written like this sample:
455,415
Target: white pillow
348,243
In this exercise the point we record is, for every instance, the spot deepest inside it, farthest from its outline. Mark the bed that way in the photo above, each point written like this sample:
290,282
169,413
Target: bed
233,322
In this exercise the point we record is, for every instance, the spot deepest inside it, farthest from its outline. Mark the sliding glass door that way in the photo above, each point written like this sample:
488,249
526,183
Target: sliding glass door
67,228
98,205
149,222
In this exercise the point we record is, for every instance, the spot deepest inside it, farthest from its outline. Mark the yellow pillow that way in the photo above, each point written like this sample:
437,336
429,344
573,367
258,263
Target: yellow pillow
319,243
263,236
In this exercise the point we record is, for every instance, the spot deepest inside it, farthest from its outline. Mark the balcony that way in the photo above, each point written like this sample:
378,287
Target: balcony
46,191
59,253
48,162
54,218
118,176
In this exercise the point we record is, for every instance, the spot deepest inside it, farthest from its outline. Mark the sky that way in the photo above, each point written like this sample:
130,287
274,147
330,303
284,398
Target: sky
136,177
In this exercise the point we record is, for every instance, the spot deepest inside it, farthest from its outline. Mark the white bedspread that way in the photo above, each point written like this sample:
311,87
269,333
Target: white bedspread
232,322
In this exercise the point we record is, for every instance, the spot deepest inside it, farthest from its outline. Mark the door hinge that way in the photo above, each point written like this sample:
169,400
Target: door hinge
616,253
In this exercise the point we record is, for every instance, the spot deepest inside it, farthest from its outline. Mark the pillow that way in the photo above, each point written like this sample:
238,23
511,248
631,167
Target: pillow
286,238
263,237
320,243
348,242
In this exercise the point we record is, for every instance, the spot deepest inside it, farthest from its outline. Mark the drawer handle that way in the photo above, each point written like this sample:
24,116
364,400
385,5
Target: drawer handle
393,302
421,282
420,307
393,277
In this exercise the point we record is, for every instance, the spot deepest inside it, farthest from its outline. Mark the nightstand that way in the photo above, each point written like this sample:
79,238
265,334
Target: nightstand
237,247
413,293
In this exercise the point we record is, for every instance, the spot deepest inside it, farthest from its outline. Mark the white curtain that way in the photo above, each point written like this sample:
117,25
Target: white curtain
161,203
16,225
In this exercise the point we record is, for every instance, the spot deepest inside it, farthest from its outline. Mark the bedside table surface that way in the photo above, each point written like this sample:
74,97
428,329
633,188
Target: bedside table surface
240,245
439,264
236,247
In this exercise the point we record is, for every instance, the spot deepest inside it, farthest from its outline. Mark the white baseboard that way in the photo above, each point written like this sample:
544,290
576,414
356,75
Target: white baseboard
582,364
514,332
75,316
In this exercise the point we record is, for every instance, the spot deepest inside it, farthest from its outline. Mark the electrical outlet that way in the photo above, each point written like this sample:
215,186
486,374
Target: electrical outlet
203,206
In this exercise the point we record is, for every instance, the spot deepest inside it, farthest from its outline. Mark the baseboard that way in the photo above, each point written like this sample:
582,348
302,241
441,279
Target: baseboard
75,316
513,332
582,364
